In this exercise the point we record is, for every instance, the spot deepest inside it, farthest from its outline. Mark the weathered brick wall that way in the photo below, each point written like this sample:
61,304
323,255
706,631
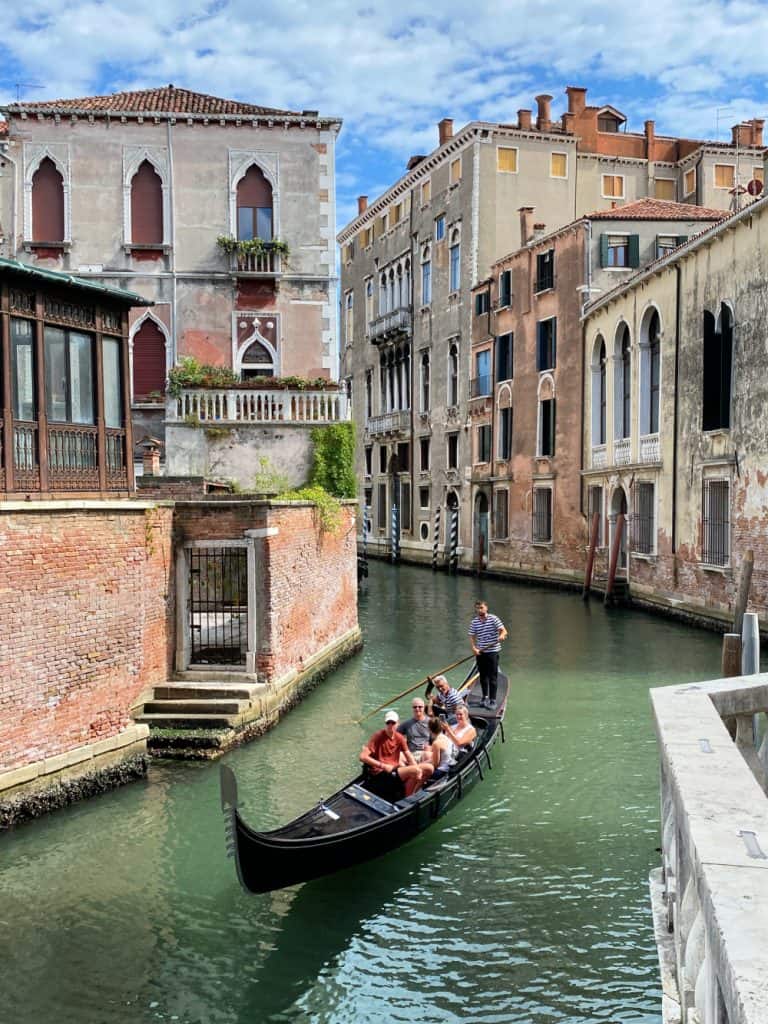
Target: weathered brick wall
85,614
309,586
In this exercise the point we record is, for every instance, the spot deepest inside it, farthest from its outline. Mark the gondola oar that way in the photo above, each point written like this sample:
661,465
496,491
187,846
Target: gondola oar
421,682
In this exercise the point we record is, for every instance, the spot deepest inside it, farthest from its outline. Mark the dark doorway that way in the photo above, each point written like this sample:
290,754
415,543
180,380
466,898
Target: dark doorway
218,605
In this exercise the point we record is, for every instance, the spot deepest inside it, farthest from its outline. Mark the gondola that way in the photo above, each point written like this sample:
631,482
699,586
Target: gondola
354,825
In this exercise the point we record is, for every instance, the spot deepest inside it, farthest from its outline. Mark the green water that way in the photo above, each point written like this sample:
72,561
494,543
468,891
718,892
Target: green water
528,903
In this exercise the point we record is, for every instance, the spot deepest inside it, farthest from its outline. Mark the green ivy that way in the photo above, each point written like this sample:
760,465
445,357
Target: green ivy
333,459
328,506
192,374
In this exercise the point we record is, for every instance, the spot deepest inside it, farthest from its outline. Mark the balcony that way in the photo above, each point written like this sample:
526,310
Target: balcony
251,405
650,448
390,325
395,422
599,456
622,452
256,264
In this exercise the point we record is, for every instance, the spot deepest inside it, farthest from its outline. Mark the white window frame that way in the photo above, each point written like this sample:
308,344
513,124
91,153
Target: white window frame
454,242
240,163
674,188
58,154
723,188
441,217
621,178
512,149
426,184
689,191
453,163
558,177
496,495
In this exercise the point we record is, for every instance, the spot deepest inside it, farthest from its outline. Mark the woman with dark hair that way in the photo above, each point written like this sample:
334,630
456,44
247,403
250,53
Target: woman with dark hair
442,749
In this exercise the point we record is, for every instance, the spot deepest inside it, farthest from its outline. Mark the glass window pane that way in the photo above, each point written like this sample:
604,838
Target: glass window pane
81,378
55,374
264,223
23,370
113,398
244,223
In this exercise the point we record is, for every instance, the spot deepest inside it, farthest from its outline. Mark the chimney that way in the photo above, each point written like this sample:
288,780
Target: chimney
524,120
150,457
740,134
577,99
757,131
650,135
526,224
445,130
538,230
362,204
567,121
544,115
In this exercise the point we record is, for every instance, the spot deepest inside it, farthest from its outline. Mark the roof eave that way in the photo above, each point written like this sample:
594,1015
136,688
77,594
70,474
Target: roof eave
291,118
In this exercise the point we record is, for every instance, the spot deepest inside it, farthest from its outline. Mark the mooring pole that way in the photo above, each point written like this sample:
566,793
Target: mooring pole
454,556
436,539
395,523
742,598
594,532
731,665
615,549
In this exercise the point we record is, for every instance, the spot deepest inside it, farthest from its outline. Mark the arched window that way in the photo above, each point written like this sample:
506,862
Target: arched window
426,276
406,377
654,342
407,284
383,294
424,387
47,203
454,261
383,407
453,375
391,296
146,206
399,300
598,392
391,386
257,361
398,379
254,206
349,308
622,384
149,369
717,366
368,394
368,301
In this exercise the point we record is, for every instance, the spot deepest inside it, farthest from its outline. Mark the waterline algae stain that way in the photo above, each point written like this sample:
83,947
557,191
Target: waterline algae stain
528,904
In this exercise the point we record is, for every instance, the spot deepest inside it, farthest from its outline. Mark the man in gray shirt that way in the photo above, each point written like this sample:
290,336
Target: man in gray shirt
416,729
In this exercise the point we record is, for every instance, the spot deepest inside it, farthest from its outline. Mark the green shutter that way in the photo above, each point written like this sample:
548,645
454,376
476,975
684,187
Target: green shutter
603,250
634,250
681,239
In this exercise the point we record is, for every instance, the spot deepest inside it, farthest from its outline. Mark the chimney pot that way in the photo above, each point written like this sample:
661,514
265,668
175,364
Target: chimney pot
544,114
445,130
757,131
577,99
526,224
362,204
524,120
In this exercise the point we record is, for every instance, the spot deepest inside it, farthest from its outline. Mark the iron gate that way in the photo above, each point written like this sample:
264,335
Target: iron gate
218,605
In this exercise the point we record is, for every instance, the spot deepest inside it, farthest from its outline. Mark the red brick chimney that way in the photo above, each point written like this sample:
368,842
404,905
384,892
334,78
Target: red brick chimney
445,130
544,115
526,224
757,131
567,121
741,134
362,204
150,456
650,135
524,120
577,99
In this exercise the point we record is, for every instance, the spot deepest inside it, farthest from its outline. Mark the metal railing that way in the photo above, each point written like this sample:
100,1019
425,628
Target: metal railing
650,448
710,897
396,322
264,264
389,422
480,387
249,405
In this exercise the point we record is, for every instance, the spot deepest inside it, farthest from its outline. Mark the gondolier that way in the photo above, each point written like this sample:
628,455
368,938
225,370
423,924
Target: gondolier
486,633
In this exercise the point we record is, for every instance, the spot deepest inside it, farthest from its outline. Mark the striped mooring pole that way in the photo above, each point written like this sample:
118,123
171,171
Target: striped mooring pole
454,542
366,531
395,534
436,539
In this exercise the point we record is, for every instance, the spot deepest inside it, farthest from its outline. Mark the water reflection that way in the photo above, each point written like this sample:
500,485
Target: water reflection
527,904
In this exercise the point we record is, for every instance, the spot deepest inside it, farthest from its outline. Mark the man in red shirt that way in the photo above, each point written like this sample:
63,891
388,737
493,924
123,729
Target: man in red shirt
383,753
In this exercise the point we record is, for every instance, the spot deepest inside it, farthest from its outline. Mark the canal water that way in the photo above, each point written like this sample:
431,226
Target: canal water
528,903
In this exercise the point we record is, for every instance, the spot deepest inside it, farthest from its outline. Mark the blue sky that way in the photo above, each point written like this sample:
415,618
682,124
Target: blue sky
392,71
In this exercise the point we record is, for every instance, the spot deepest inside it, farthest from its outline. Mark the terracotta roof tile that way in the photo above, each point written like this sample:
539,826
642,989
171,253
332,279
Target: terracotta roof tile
658,209
167,100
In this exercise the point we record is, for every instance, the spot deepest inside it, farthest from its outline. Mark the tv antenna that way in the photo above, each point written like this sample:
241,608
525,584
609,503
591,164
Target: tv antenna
25,85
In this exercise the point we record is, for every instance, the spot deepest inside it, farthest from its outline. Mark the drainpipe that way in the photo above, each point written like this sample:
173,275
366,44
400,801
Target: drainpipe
588,281
678,316
172,217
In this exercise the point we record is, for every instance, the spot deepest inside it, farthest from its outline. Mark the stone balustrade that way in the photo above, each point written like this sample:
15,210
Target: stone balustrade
599,456
710,896
650,449
398,321
622,451
249,405
389,423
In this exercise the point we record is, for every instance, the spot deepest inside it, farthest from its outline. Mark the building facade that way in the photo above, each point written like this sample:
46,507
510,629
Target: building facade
409,261
221,213
689,473
525,403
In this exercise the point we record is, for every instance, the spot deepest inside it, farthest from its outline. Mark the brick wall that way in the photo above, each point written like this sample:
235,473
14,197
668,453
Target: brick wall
85,614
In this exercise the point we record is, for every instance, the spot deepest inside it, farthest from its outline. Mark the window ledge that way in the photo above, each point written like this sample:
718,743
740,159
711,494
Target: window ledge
641,556
542,543
30,246
148,405
717,432
131,247
542,291
720,570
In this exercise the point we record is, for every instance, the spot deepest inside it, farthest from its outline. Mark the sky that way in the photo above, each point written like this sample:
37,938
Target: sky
392,71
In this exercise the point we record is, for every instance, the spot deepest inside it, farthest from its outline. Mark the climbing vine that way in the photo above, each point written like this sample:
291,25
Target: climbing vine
333,459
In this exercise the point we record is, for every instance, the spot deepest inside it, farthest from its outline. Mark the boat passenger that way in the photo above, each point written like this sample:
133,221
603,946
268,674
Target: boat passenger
382,753
443,750
463,734
447,699
416,731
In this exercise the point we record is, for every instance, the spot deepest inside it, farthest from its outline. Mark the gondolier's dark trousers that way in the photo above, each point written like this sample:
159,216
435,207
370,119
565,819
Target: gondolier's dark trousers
488,668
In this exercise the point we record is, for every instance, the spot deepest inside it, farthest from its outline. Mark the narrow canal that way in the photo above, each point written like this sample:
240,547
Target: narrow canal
526,904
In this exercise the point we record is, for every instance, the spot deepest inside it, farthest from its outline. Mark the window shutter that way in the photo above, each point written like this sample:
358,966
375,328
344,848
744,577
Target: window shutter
554,342
681,239
539,345
552,428
634,250
603,250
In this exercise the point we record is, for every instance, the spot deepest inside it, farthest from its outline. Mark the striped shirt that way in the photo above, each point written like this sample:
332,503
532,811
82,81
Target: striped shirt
486,632
450,700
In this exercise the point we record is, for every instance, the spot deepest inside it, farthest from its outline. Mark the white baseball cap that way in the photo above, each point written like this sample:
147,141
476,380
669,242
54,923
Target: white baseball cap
391,716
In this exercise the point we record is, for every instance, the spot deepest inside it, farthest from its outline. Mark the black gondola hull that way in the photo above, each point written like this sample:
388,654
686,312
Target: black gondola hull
314,844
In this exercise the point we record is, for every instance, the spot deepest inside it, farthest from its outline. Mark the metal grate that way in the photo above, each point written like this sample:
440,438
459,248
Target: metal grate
642,518
596,506
542,515
218,605
716,523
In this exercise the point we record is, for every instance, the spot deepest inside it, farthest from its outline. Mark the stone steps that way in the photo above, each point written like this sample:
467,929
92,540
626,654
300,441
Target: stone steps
215,675
213,706
189,721
207,691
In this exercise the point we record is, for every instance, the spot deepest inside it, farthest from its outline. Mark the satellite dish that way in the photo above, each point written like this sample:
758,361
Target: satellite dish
755,187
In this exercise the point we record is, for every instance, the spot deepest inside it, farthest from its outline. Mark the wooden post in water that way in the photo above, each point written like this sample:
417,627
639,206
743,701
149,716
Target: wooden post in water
731,665
594,533
615,549
481,555
742,598
436,539
453,561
